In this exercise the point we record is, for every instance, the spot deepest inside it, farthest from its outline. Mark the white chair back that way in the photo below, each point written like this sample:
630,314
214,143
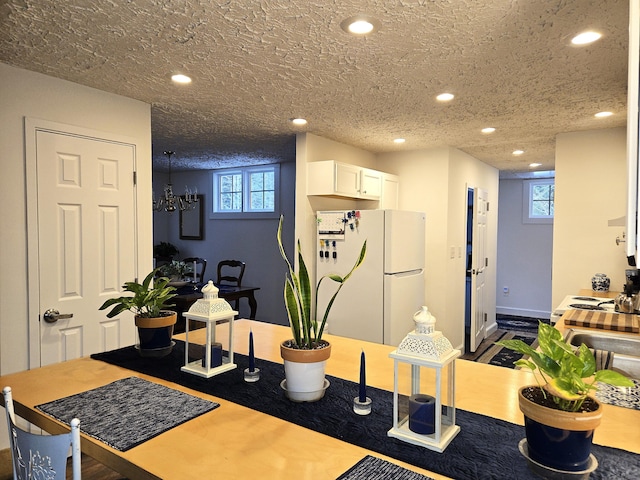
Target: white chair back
41,456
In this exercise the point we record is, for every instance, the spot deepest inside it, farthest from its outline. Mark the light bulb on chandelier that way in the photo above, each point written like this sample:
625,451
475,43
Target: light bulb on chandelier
170,202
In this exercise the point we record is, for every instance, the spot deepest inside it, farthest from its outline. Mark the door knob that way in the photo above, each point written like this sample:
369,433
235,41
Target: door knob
52,315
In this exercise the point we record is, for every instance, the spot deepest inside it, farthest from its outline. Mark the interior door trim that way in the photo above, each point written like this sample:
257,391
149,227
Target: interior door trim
31,128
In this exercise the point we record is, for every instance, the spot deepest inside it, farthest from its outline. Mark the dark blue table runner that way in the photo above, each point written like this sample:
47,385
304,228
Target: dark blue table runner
485,448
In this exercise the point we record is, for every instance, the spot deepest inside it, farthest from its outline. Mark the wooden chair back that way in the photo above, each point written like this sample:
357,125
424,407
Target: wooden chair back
230,272
201,266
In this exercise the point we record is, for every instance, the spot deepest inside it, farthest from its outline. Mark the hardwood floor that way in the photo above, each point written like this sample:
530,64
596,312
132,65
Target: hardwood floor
94,470
91,469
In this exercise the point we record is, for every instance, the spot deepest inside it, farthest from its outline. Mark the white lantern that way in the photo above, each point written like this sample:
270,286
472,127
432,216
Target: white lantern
210,310
430,422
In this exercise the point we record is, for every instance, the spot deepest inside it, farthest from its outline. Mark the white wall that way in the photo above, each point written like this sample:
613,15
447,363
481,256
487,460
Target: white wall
312,148
27,94
424,179
525,252
591,175
252,241
467,172
433,181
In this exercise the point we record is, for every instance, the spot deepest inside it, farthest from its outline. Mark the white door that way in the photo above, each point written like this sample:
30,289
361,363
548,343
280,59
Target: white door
86,242
478,268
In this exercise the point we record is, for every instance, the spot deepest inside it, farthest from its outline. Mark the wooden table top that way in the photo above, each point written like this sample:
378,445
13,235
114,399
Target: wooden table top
237,442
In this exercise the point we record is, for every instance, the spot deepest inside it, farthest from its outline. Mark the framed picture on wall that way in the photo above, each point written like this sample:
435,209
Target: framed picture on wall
191,221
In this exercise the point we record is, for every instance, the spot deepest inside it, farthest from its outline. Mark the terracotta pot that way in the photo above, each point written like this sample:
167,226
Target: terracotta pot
557,439
304,372
156,334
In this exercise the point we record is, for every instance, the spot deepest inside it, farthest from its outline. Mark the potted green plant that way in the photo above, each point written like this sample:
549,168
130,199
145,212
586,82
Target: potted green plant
176,271
560,416
305,355
165,251
155,325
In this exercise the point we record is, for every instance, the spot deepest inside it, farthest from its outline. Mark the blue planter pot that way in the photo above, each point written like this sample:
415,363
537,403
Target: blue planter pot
557,439
156,335
558,448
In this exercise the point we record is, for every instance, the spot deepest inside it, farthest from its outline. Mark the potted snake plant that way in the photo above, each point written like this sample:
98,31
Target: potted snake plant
560,416
306,354
148,303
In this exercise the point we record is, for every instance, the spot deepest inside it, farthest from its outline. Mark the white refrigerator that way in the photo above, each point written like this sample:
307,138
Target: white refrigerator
378,302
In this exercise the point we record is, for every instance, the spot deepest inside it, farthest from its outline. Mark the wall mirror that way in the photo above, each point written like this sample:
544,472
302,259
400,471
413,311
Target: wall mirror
191,225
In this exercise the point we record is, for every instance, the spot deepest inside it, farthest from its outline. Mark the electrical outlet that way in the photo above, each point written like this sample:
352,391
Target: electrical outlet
505,291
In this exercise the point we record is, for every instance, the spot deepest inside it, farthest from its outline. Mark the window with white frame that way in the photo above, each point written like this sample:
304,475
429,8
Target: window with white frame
245,192
538,200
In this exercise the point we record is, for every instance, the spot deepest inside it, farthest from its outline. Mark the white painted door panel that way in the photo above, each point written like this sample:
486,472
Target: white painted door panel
86,242
479,265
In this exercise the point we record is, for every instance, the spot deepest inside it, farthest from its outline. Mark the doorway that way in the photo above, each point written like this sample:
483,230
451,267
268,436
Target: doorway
82,240
476,265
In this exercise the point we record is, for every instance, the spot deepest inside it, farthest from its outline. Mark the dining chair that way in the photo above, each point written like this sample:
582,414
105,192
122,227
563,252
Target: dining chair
230,272
41,456
201,266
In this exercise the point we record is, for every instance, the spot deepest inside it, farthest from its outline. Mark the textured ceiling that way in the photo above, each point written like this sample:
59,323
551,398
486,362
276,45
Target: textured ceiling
257,64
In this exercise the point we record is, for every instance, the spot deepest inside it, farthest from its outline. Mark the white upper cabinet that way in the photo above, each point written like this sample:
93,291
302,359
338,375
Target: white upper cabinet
390,192
370,183
329,177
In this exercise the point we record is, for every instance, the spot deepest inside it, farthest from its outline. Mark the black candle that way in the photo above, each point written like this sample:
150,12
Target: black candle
363,382
252,360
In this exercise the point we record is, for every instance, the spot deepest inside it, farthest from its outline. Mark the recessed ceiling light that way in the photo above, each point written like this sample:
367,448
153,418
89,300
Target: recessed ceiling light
445,97
360,25
298,121
535,165
585,38
180,78
603,114
398,140
488,130
517,152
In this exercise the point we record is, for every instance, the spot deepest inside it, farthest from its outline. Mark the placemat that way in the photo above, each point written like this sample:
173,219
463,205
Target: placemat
374,468
485,448
128,412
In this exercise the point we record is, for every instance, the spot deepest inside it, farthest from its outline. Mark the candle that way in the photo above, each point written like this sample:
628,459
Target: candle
363,382
252,360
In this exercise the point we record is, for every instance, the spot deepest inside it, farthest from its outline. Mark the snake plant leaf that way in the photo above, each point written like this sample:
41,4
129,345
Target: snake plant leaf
305,297
293,310
298,296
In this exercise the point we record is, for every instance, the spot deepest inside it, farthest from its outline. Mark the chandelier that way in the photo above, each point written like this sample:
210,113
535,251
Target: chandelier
170,202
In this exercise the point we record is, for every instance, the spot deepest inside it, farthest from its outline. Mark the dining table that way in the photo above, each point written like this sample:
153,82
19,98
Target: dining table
189,294
234,441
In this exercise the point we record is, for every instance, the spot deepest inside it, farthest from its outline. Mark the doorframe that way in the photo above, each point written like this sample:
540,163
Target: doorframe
31,127
468,314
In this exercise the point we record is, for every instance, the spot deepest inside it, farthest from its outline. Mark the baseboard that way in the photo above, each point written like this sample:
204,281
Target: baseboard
491,328
521,312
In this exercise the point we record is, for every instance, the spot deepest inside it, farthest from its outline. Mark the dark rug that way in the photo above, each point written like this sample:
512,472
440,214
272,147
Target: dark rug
127,412
489,352
485,448
519,324
373,468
